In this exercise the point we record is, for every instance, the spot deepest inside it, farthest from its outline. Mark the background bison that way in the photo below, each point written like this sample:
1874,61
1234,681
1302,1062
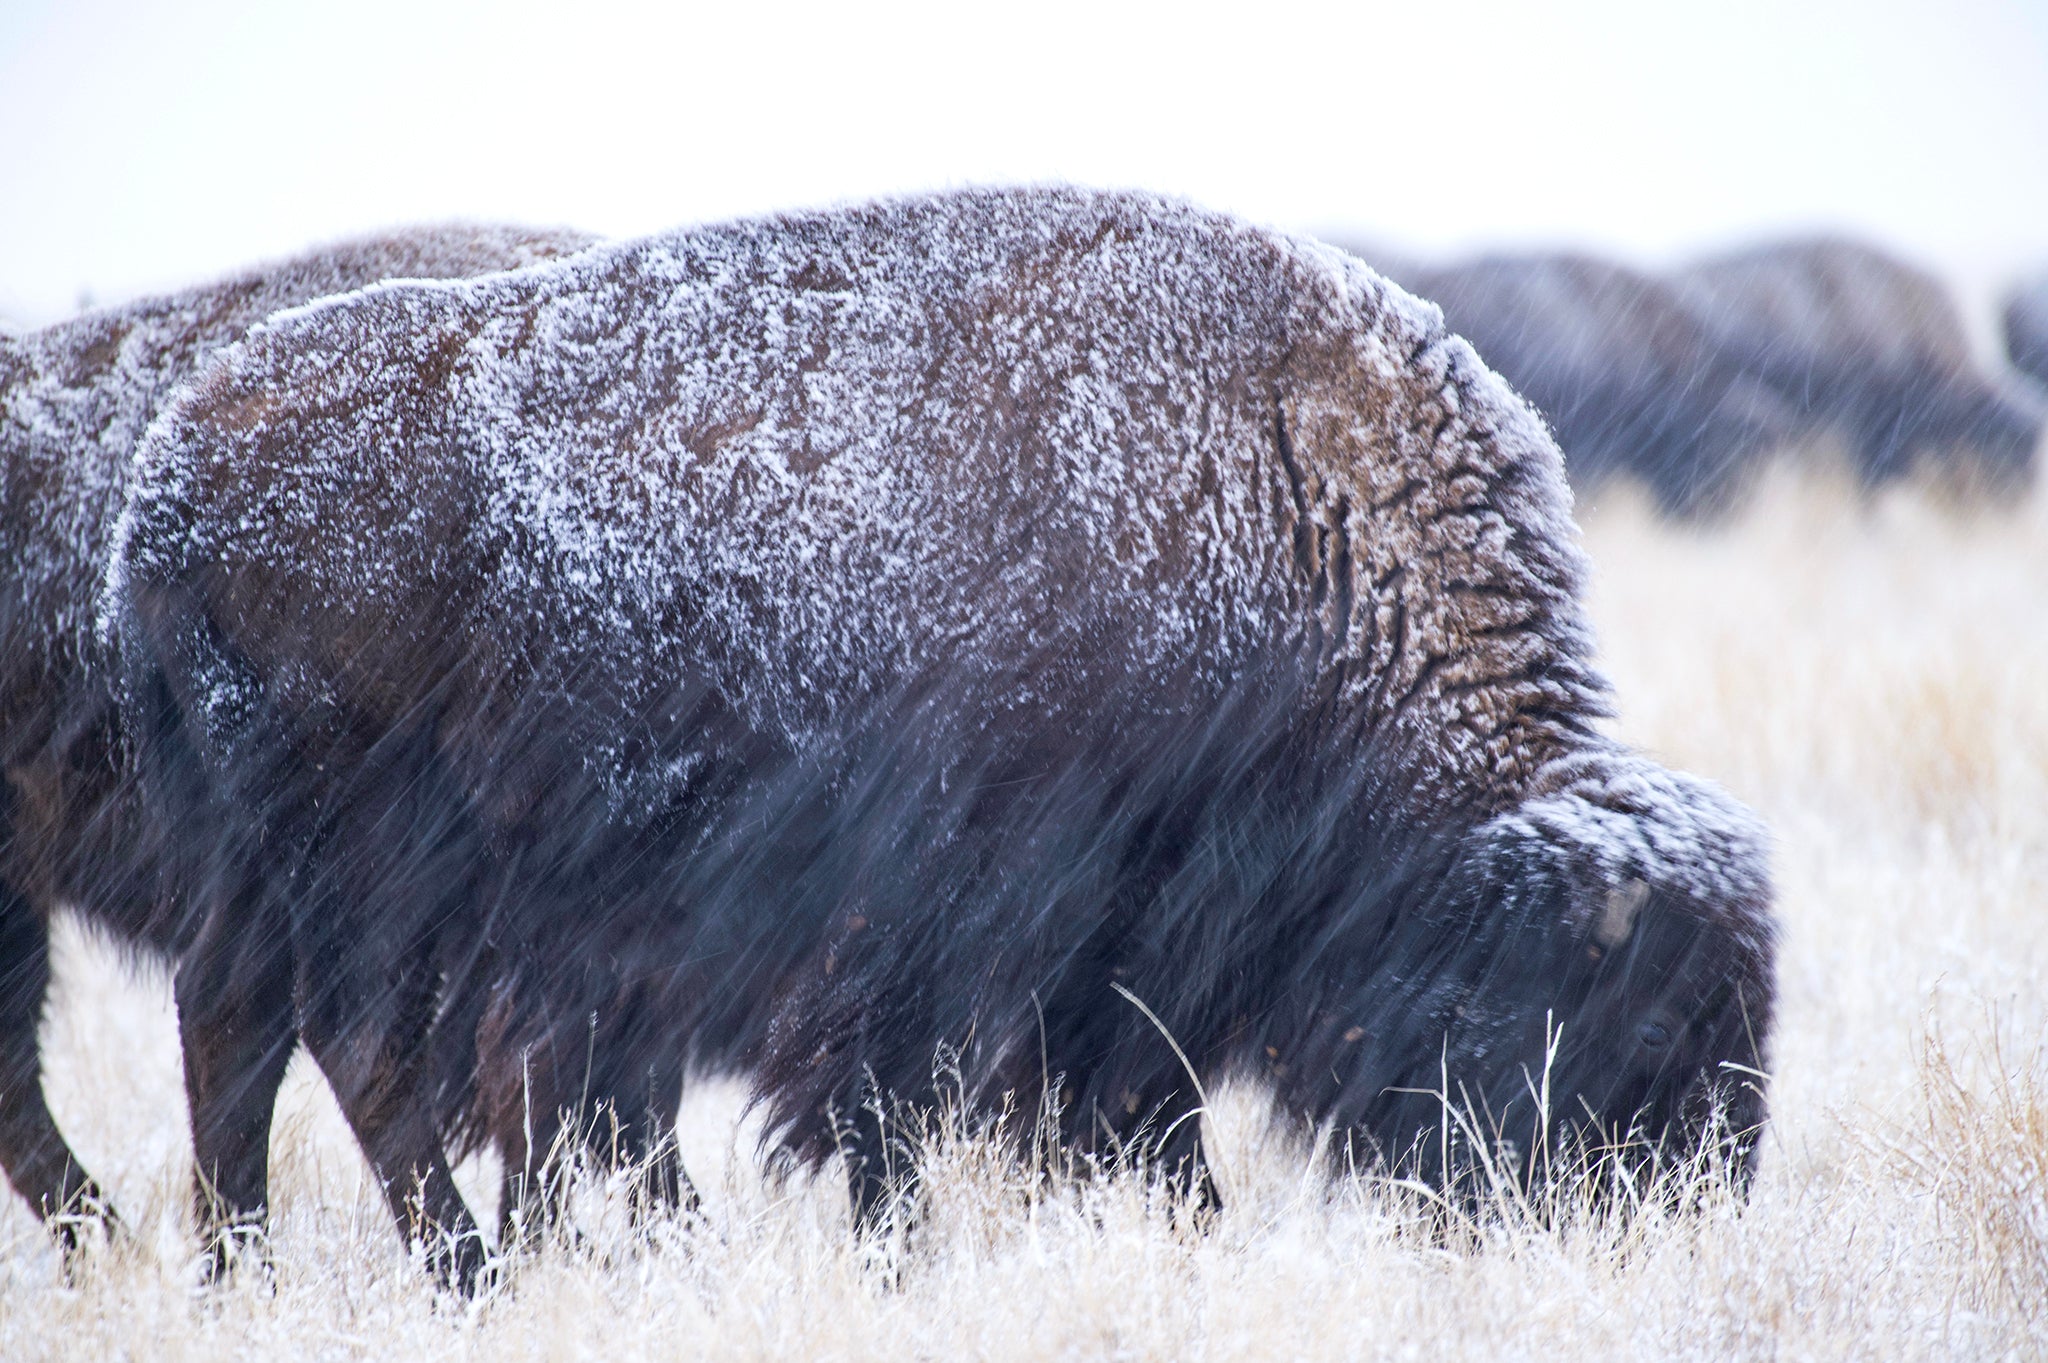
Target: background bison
1687,380
2026,329
935,618
1868,348
74,399
1630,380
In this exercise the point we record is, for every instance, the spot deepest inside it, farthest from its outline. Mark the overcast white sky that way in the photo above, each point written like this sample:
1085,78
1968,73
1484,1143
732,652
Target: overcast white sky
146,145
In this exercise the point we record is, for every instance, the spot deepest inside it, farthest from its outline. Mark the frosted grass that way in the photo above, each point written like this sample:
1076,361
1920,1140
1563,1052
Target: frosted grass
1869,678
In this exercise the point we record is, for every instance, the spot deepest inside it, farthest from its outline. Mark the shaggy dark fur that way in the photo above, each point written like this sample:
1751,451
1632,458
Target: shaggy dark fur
833,638
2026,330
1867,348
1631,383
74,399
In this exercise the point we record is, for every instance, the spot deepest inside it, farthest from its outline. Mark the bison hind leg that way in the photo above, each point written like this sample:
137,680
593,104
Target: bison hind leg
374,1073
33,1151
369,1027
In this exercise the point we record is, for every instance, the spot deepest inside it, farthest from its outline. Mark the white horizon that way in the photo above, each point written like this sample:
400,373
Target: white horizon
154,149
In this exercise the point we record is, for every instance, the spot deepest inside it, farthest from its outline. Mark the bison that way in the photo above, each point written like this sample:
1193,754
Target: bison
1865,347
935,627
2026,329
1631,383
74,399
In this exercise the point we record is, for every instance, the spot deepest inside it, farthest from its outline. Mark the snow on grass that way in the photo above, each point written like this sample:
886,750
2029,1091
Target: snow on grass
1870,678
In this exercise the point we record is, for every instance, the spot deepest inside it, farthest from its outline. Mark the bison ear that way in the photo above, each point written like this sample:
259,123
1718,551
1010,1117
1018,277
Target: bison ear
1618,915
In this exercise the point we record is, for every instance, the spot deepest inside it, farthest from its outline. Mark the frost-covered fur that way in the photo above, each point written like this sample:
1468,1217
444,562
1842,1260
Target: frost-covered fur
832,637
1867,347
2026,329
74,399
1630,381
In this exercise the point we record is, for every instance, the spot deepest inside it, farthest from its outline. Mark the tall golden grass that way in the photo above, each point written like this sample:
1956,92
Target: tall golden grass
1874,678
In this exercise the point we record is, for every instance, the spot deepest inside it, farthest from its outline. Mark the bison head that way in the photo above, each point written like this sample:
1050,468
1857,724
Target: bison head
1587,976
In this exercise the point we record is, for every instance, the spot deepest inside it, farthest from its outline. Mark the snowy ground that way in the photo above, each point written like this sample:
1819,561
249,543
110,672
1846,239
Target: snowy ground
1875,681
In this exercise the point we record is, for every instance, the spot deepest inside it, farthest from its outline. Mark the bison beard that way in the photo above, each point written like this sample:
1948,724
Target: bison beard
1267,903
74,400
822,640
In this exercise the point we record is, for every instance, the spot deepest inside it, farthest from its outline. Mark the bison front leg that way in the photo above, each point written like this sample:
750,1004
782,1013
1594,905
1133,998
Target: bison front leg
534,1147
879,1168
529,1195
38,1161
1158,1131
619,1107
645,1142
234,995
629,1120
1182,1160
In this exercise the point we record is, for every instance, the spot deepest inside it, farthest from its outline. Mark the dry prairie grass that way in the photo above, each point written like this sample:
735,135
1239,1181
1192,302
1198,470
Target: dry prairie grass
1875,680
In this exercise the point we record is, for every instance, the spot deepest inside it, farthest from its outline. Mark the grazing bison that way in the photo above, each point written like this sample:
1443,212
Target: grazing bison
2026,330
74,399
1868,348
1630,381
835,639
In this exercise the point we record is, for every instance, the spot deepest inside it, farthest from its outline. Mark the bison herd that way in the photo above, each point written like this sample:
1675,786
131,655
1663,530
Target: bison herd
1031,650
1688,380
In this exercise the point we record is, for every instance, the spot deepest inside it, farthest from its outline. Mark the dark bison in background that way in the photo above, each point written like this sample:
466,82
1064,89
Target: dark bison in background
74,399
2026,329
1868,348
1630,381
841,641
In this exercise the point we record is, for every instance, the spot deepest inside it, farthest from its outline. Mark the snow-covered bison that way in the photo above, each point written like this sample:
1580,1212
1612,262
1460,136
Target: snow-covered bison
74,399
1631,382
939,626
1864,347
2026,329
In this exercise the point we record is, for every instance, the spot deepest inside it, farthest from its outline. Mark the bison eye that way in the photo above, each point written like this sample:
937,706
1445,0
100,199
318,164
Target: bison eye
1654,1035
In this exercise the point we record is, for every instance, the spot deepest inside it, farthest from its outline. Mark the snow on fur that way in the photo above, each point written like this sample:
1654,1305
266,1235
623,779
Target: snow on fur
1225,528
702,442
79,394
